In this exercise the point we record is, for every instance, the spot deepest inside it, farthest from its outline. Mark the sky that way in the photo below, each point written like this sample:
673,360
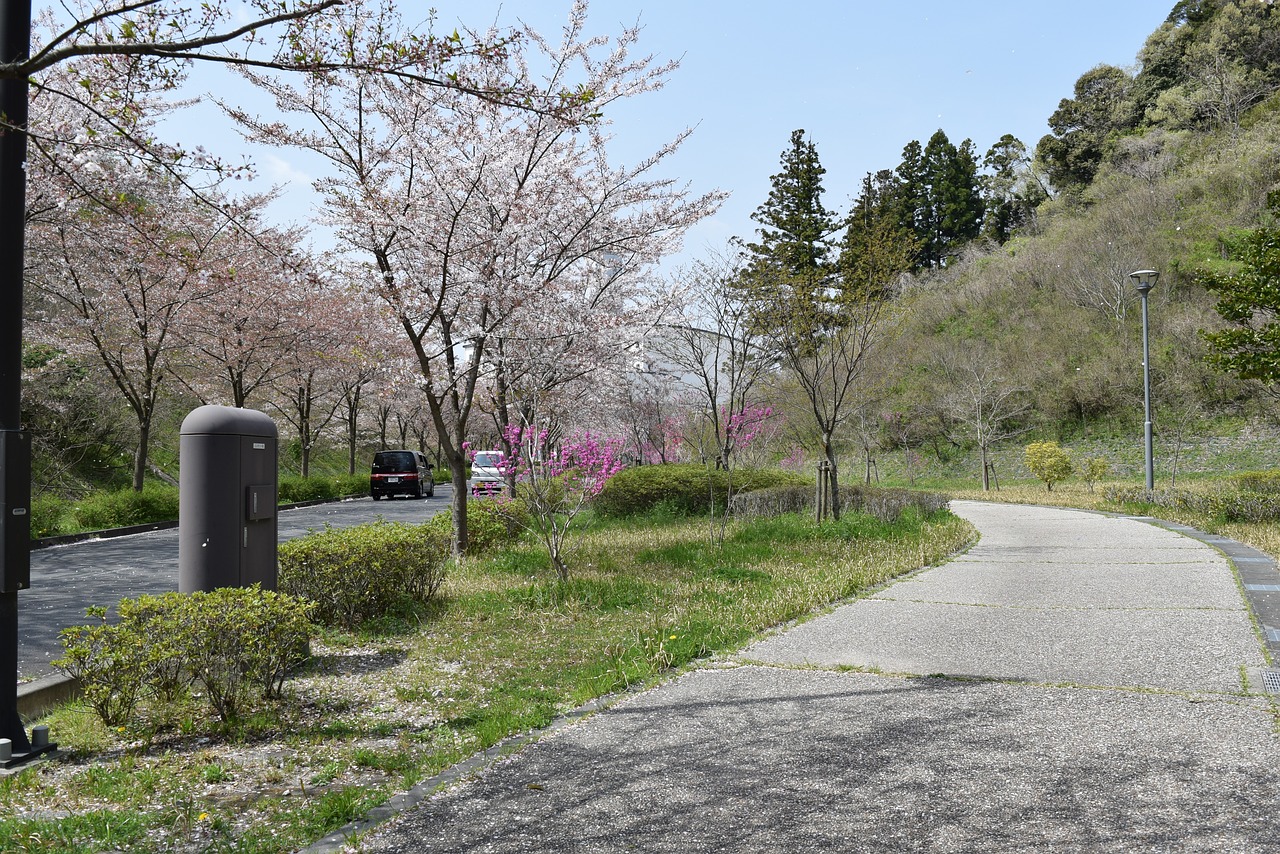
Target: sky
862,78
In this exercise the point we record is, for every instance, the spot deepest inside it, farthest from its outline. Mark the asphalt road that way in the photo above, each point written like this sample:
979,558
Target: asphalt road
1075,682
67,579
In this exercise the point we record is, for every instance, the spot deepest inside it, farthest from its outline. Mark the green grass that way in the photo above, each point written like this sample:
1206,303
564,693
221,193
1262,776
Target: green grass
506,650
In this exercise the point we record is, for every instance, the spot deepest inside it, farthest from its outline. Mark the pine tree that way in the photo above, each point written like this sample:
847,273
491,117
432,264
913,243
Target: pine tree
790,268
819,326
877,246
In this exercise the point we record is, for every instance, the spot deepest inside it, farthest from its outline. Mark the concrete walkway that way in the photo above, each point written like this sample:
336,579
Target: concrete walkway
1075,682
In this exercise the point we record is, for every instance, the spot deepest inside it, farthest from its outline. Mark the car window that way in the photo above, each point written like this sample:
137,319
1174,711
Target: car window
394,461
488,461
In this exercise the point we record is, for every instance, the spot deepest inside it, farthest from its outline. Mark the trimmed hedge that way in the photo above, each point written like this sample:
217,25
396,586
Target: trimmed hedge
683,488
884,504
123,507
355,574
293,489
1267,482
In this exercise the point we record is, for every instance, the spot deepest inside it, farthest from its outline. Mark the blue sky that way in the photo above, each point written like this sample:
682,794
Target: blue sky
862,78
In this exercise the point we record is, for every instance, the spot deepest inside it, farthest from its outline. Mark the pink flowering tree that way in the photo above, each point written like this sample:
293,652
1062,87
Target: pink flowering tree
741,428
556,483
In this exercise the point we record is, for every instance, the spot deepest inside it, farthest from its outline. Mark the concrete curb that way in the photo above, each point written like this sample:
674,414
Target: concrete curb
40,696
1258,574
108,533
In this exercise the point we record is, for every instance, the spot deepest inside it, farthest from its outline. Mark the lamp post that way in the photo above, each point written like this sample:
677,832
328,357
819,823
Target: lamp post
1144,281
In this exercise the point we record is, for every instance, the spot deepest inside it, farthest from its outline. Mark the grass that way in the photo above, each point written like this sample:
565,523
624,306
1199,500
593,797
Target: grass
505,650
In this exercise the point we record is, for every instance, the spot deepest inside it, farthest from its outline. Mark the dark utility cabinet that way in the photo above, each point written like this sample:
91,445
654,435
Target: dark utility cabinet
227,499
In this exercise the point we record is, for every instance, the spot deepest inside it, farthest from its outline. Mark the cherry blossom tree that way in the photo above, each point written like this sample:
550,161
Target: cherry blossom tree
716,347
246,326
116,289
474,215
313,372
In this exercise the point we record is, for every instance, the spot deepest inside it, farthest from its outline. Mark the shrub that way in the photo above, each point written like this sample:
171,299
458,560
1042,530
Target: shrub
773,501
51,516
884,504
490,523
1253,506
356,574
105,660
1049,462
235,643
293,490
238,640
1094,469
123,507
685,488
888,505
1267,482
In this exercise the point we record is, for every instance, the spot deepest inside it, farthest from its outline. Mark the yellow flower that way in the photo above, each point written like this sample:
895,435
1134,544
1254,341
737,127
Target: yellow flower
673,637
204,816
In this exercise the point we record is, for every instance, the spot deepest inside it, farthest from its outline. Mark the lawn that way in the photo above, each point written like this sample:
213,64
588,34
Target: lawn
505,650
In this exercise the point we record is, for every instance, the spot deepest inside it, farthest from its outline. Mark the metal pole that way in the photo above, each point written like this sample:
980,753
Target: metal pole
1146,396
15,525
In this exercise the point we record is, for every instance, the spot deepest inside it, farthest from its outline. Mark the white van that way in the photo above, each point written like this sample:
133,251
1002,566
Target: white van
486,474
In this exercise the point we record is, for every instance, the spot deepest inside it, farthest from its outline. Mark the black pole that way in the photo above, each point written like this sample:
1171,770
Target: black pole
15,484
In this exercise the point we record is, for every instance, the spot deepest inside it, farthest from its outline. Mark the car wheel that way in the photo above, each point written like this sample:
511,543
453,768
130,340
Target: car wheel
431,491
375,496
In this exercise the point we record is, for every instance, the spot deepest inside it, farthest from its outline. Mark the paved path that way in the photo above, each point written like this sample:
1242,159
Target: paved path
67,579
1075,682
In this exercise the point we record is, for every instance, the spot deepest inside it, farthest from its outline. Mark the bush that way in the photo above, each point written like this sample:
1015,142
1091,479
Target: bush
1267,482
360,573
155,503
235,643
1049,462
490,523
293,490
51,516
884,504
1094,469
684,488
773,501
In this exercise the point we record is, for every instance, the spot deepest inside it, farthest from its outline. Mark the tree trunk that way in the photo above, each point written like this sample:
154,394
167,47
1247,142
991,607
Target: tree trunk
140,458
986,469
829,452
458,504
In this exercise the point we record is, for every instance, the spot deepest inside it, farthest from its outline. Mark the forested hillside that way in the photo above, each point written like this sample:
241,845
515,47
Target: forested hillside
1013,312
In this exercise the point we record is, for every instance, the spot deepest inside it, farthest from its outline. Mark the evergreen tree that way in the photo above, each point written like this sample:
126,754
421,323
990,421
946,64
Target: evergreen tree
877,247
789,268
911,200
1010,191
952,214
819,326
1103,107
1249,300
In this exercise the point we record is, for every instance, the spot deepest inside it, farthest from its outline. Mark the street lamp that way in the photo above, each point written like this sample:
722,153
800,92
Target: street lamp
1144,281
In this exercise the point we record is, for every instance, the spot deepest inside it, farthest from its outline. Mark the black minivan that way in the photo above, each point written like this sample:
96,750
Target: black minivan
400,473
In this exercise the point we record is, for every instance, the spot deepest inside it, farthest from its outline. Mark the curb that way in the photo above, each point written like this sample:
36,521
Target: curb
39,696
108,533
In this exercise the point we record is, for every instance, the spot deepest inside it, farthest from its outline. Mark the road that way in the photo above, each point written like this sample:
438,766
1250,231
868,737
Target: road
67,579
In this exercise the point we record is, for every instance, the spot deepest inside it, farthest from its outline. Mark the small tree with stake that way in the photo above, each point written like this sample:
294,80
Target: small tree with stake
557,483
